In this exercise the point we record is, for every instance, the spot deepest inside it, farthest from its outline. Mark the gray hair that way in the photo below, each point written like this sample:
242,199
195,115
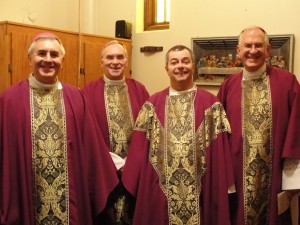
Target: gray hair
49,37
114,42
266,38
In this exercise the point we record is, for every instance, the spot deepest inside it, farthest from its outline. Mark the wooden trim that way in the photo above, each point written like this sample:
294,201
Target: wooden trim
150,17
160,26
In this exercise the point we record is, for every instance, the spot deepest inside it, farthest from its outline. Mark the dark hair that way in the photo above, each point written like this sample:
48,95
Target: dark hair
179,48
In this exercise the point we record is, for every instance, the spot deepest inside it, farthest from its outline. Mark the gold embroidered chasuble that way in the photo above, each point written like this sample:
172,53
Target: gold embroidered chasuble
257,149
119,116
177,151
49,155
120,125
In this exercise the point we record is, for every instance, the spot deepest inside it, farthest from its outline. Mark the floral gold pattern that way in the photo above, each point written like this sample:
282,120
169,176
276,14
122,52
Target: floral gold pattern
257,145
49,154
119,117
177,152
120,125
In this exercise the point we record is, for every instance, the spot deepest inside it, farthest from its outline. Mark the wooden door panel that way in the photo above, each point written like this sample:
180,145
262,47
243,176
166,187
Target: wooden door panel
91,62
5,76
20,68
70,67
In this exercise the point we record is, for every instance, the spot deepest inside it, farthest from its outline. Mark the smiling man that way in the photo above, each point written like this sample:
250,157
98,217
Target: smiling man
178,166
46,56
116,101
54,165
263,106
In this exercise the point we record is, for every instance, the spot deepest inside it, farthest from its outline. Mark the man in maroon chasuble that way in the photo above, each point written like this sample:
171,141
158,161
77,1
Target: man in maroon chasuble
263,107
178,165
116,101
54,165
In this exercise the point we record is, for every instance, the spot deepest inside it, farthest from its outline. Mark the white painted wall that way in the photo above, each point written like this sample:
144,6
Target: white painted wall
58,14
109,11
189,19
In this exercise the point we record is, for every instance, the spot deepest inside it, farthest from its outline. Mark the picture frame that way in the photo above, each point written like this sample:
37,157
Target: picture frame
216,57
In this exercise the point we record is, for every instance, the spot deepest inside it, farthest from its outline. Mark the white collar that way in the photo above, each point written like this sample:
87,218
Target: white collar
113,82
34,83
174,92
254,75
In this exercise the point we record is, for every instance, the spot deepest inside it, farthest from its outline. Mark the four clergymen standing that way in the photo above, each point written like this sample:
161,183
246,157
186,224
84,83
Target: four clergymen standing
110,154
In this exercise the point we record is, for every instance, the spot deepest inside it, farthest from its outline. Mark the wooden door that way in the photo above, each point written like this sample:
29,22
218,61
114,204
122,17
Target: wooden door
20,68
91,68
5,66
70,67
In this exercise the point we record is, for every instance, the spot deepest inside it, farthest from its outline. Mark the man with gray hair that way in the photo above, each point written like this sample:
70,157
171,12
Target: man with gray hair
54,165
116,101
263,106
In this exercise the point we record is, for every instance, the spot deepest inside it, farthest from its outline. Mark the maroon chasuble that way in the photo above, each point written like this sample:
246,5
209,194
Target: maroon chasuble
94,92
91,174
285,95
143,181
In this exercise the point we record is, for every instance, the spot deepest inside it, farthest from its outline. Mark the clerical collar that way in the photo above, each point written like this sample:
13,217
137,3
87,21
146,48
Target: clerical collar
113,82
174,92
34,83
254,75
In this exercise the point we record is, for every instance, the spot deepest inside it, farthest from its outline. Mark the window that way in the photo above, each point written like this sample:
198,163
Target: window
156,14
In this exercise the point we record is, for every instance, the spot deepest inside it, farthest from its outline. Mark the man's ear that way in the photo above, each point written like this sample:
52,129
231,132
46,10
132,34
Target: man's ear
29,59
101,63
166,68
238,49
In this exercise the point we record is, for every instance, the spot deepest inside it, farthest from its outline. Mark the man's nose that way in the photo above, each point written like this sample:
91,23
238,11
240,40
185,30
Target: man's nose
115,60
180,65
253,49
48,57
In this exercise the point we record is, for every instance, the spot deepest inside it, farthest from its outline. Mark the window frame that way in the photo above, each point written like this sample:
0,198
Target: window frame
150,17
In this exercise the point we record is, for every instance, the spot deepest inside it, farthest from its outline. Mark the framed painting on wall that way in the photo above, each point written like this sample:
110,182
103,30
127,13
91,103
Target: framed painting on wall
216,58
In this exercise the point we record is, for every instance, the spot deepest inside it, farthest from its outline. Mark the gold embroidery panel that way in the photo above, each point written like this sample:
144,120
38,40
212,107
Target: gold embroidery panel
180,171
119,117
215,122
120,125
148,122
180,157
257,139
49,154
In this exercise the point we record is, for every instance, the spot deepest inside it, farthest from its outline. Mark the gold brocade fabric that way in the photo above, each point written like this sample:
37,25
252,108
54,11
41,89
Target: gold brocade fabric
119,116
257,146
180,155
120,125
177,152
49,152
